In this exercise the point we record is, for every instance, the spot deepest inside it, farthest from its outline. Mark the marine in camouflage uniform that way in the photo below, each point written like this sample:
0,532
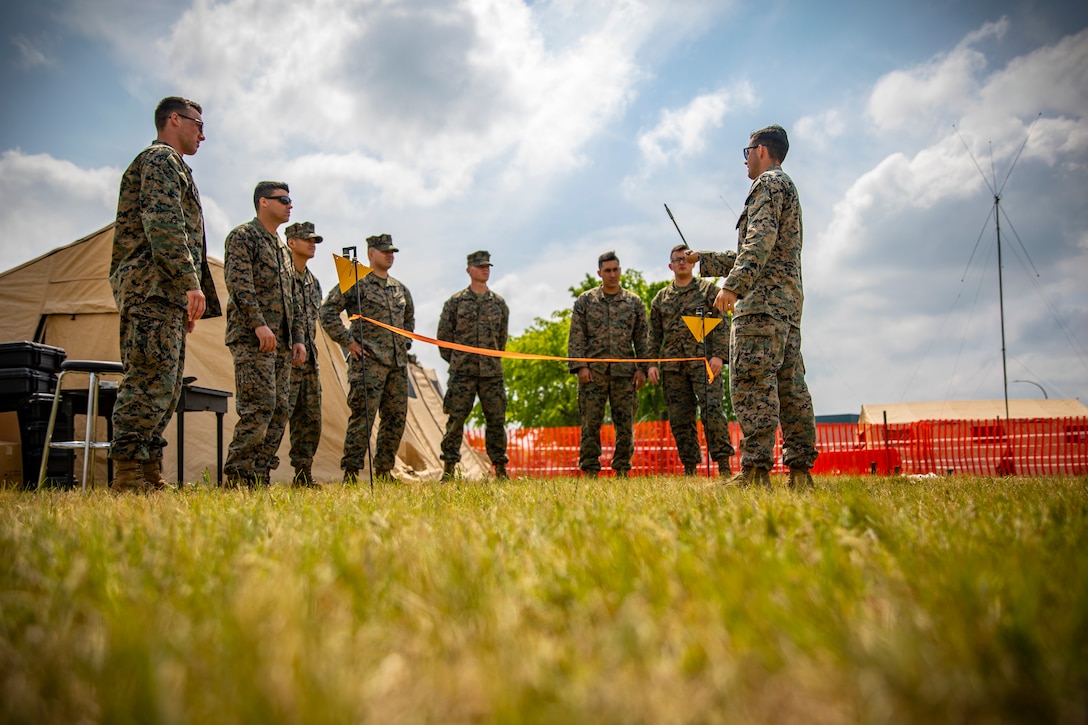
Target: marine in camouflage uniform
264,334
608,322
162,284
685,383
383,386
478,317
305,401
763,290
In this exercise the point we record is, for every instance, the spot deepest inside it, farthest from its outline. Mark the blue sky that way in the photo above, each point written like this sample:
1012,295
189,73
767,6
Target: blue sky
549,132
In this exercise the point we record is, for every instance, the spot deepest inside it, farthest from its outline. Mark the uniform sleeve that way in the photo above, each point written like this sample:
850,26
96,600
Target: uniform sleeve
240,272
657,331
298,298
579,333
504,326
162,186
409,316
329,315
716,264
447,327
640,335
717,340
759,240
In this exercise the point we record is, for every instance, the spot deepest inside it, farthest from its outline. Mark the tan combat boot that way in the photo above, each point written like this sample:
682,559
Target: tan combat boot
449,471
800,478
751,476
153,475
128,476
304,477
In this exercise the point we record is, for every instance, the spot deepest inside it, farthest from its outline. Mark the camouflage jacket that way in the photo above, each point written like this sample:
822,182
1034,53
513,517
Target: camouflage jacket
670,335
384,300
308,301
159,250
476,320
608,326
767,272
260,287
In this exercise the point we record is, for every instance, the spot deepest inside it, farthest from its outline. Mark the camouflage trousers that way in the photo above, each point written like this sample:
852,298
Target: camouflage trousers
457,405
618,392
305,413
153,359
383,391
687,391
767,382
262,389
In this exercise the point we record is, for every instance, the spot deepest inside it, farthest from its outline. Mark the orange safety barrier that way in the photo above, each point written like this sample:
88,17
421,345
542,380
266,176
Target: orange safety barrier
1029,447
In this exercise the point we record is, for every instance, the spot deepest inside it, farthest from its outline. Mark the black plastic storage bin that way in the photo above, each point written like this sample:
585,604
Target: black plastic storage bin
25,381
31,355
33,421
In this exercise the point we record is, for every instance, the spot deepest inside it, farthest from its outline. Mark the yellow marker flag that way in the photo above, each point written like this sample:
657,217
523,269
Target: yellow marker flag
346,274
695,324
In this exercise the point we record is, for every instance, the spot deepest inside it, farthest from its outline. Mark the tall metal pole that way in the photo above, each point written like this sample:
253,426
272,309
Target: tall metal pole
706,388
354,257
1001,303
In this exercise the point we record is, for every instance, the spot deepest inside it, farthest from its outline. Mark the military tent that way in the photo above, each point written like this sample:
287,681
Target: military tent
63,299
1034,409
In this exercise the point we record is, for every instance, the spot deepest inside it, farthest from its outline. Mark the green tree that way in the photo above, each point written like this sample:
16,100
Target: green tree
542,393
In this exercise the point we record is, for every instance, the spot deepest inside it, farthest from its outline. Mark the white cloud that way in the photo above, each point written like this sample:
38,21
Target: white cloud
31,53
51,199
681,132
908,99
821,129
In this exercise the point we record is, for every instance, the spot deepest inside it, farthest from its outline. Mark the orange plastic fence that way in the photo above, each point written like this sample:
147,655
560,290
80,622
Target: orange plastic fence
1030,447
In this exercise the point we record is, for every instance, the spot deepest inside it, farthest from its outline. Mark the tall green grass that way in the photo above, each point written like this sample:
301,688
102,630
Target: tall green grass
650,600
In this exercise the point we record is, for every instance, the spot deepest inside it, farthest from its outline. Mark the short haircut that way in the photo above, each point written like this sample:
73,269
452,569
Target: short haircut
676,249
171,105
263,187
607,257
775,139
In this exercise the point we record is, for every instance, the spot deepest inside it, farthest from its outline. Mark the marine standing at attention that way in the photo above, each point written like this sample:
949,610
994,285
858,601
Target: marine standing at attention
608,322
264,334
478,317
685,384
162,285
381,384
304,417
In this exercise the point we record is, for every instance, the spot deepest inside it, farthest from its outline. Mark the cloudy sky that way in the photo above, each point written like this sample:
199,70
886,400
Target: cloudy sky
549,132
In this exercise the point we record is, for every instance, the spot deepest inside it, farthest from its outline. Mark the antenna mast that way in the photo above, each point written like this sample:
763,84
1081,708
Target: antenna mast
1000,267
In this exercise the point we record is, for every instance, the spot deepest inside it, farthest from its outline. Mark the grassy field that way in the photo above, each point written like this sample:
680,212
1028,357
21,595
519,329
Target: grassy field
644,601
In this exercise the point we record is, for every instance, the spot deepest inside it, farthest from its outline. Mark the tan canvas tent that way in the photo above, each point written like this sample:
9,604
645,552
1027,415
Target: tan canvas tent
899,413
63,299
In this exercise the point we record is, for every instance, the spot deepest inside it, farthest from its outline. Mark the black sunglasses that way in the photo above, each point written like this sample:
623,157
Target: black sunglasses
285,200
199,124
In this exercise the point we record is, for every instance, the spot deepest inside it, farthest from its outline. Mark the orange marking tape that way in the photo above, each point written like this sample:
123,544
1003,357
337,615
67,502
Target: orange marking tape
525,355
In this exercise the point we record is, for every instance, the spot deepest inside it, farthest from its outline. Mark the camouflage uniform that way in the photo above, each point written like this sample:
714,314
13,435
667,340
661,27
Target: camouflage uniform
607,326
684,383
305,399
261,293
480,321
767,372
385,384
159,253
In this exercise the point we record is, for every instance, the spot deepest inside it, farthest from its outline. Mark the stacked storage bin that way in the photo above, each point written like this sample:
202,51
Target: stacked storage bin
28,380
